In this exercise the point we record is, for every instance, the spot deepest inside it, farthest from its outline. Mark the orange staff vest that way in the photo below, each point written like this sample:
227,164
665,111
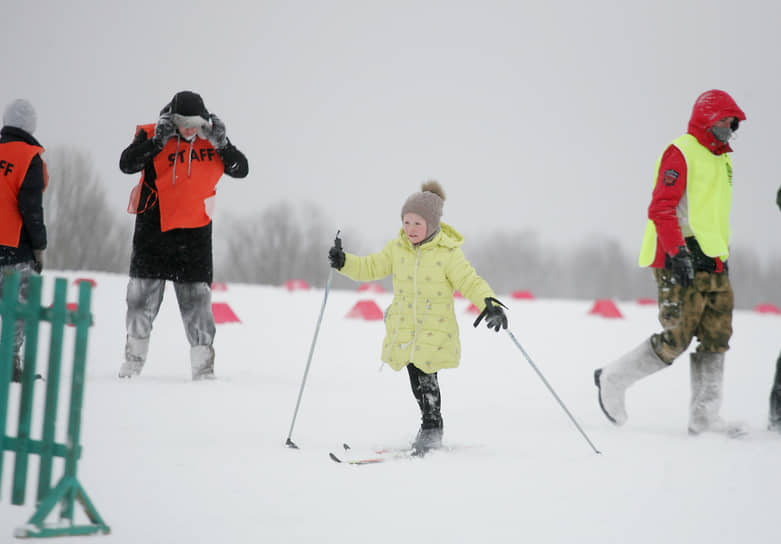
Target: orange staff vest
15,158
187,174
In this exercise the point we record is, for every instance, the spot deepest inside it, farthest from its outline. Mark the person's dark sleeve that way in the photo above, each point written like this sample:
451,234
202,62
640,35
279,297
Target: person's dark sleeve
139,153
31,203
236,165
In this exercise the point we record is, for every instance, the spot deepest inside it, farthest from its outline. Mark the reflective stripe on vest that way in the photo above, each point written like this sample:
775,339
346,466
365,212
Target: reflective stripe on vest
15,158
187,174
709,198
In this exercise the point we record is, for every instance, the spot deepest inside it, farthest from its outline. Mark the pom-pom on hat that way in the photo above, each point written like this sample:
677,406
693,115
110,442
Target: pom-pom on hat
428,204
20,114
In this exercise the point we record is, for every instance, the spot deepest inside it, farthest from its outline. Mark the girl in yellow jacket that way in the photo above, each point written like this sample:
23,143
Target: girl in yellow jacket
427,266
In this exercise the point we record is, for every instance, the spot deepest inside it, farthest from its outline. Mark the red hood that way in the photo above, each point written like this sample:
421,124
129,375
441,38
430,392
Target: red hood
709,108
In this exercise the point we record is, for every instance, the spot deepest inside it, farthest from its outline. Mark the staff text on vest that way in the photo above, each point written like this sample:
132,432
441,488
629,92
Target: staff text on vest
205,154
6,167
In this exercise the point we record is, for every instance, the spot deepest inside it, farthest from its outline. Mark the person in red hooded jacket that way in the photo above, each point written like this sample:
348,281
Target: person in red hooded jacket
686,244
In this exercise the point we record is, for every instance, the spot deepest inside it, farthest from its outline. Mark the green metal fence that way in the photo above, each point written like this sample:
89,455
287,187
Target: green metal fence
68,490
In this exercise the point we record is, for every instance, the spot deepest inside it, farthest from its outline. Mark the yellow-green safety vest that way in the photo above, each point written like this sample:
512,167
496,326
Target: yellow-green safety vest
709,197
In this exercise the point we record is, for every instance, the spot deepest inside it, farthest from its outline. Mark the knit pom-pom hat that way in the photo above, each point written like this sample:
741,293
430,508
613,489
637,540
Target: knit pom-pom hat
20,114
427,203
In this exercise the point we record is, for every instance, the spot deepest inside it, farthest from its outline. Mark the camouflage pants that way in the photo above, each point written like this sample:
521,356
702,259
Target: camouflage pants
25,271
703,310
144,297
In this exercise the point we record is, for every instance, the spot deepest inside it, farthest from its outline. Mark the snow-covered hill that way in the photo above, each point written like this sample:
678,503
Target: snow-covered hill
167,460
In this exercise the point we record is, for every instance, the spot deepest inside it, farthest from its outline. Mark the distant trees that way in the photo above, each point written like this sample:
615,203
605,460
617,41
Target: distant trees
281,243
84,232
518,260
287,242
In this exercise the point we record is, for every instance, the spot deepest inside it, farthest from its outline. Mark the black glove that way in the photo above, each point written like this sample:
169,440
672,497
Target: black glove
682,268
164,129
216,133
336,255
38,256
494,315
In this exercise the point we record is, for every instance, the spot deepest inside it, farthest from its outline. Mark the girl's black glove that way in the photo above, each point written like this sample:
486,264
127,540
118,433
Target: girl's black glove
494,315
336,255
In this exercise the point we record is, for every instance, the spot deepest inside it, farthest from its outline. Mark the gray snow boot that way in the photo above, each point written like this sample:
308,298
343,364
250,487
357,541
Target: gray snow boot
202,362
136,350
614,379
427,440
707,377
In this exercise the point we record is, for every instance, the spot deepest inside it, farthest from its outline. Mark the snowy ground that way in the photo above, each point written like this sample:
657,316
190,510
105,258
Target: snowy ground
167,460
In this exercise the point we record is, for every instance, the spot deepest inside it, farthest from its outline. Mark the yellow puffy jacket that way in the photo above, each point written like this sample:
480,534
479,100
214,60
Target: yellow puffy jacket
420,323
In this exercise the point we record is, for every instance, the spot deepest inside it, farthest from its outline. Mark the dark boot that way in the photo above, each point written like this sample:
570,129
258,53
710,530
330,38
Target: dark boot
16,372
425,387
774,419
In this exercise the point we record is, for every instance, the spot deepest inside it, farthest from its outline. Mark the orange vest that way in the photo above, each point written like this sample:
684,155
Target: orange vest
15,160
187,174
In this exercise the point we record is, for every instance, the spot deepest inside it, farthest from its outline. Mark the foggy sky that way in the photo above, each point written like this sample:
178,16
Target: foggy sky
533,116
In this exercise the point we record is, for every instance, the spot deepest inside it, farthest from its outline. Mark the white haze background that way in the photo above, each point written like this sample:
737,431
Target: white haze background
171,461
534,116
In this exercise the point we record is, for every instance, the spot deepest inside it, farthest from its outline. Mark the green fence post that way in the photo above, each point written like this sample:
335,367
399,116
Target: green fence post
83,319
8,314
58,315
30,312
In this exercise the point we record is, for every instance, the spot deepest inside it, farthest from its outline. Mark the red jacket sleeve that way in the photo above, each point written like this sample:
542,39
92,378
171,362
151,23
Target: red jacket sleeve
668,191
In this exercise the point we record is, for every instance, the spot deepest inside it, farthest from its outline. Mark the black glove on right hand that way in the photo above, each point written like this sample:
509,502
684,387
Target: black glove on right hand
38,264
336,255
682,268
494,315
164,129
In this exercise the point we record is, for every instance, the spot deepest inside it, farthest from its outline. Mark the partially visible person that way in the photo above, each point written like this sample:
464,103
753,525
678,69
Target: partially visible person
23,178
774,418
181,157
686,243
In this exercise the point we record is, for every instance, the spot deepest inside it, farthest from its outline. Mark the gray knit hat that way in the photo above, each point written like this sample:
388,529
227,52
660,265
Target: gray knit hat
428,204
20,114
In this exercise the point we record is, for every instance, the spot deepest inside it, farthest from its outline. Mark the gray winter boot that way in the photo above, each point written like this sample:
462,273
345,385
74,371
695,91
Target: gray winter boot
614,379
136,350
202,362
427,440
707,377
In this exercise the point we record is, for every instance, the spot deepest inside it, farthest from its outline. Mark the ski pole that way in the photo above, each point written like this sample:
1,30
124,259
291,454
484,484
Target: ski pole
289,443
523,351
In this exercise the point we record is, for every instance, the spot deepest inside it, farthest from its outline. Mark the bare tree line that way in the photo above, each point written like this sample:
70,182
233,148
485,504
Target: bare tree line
83,231
285,242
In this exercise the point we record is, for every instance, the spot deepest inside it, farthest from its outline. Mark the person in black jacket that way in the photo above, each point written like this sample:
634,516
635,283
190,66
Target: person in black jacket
23,179
182,157
774,418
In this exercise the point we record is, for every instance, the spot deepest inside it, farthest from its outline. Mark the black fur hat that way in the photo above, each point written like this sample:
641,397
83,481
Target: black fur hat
188,104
